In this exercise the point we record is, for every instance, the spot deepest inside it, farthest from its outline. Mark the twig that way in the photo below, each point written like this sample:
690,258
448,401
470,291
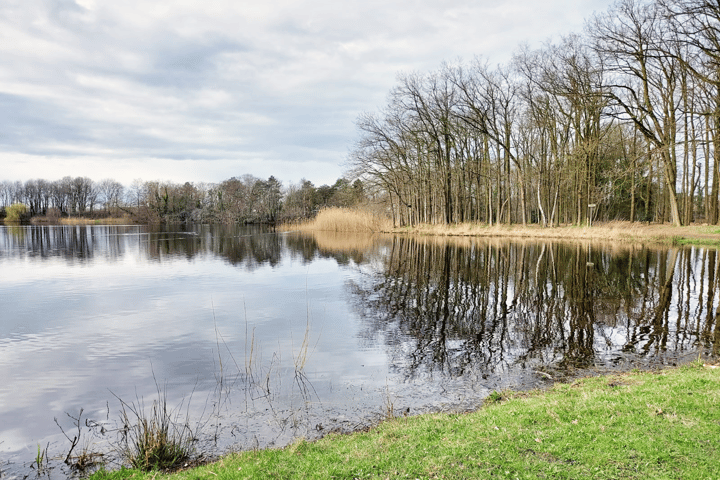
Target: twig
543,373
76,439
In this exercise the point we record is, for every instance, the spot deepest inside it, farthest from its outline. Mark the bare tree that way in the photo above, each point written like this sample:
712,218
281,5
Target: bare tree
632,38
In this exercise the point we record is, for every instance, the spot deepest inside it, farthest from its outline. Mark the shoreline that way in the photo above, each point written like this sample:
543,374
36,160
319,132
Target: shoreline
696,234
615,231
570,429
346,220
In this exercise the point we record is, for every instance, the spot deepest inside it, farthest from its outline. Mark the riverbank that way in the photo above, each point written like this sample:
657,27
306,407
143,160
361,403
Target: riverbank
663,424
366,221
123,220
611,231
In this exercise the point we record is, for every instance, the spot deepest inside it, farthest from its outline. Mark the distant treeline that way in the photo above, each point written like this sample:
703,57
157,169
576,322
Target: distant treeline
238,200
620,122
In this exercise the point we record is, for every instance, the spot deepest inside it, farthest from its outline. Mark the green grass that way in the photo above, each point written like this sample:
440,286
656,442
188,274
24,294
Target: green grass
711,229
638,425
702,242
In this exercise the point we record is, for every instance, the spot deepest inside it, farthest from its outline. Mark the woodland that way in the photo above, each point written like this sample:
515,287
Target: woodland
619,122
246,199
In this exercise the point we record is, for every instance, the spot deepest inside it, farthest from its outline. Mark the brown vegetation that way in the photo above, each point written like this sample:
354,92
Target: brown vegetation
611,231
336,219
54,220
362,221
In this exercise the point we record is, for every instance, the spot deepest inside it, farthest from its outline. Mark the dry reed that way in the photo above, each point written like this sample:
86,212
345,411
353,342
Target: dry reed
124,220
336,219
609,231
55,220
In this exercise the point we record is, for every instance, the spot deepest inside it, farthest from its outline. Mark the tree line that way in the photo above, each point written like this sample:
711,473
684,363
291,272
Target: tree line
245,199
621,121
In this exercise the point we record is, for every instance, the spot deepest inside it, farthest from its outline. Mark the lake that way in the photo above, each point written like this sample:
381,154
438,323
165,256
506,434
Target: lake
257,337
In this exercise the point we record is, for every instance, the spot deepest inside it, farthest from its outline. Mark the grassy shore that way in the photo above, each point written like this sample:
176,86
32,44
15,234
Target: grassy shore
359,220
662,424
610,231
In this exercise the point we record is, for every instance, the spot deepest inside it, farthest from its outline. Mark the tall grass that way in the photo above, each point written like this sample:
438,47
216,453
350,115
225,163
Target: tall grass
335,219
124,220
154,438
611,231
57,220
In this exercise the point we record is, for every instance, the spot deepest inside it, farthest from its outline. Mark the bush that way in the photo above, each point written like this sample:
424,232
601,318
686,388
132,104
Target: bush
16,212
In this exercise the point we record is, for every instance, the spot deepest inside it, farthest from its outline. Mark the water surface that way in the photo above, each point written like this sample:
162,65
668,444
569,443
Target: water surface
263,337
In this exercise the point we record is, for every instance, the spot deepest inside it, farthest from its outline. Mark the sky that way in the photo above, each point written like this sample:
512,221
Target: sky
203,91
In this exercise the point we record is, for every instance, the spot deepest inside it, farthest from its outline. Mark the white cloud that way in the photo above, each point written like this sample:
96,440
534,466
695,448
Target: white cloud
234,84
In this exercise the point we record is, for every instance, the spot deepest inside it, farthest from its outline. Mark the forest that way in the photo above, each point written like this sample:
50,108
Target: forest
619,122
247,199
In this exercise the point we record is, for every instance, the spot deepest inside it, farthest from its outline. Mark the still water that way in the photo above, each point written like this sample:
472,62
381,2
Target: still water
260,337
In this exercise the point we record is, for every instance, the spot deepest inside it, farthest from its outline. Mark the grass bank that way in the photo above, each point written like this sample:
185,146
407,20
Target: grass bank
638,425
611,231
359,220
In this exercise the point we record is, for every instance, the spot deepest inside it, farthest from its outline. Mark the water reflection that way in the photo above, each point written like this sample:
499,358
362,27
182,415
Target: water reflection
73,243
244,246
490,307
431,322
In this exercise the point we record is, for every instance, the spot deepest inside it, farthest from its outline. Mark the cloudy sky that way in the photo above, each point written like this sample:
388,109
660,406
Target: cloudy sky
201,91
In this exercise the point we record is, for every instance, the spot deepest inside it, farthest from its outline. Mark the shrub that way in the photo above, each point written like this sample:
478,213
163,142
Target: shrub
16,212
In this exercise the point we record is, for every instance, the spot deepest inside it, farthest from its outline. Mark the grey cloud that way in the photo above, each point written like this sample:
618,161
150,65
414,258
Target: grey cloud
187,63
280,85
29,125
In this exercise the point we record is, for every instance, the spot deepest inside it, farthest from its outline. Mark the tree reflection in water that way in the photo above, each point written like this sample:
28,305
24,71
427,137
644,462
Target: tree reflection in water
465,307
488,307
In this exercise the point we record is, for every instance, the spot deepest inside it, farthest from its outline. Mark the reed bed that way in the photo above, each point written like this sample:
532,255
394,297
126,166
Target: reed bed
335,219
124,220
359,220
53,220
608,231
